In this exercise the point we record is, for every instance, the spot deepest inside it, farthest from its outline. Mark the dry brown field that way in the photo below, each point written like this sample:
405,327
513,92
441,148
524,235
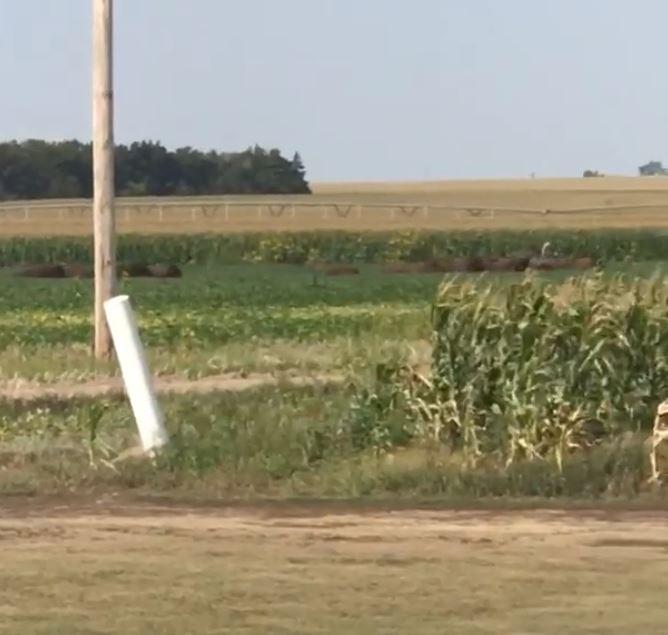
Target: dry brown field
108,567
611,202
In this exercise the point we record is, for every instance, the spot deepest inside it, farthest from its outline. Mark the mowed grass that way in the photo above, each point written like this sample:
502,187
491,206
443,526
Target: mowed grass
617,203
140,569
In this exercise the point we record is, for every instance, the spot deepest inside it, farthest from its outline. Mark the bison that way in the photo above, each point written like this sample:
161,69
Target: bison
134,270
552,264
334,268
582,263
165,271
549,264
505,264
78,271
429,266
41,271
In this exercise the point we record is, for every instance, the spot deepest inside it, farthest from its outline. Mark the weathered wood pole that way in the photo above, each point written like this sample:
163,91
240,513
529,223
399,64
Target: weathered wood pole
103,171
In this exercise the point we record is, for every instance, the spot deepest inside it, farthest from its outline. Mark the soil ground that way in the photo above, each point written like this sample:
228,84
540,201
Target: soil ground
108,566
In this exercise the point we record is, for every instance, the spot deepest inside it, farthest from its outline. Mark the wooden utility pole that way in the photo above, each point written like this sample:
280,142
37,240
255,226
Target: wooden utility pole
103,171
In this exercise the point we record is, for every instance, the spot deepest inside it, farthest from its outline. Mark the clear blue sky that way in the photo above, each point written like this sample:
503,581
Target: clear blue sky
364,89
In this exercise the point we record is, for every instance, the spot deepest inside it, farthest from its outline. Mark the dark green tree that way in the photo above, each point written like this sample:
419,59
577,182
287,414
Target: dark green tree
40,169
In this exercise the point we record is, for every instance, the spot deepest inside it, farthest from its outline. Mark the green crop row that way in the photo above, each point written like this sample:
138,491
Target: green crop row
296,248
214,306
536,371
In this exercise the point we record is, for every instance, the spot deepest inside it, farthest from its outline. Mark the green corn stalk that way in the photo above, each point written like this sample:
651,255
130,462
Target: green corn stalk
541,370
295,247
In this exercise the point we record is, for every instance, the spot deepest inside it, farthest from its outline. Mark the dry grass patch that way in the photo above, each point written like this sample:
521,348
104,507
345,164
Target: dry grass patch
618,203
188,570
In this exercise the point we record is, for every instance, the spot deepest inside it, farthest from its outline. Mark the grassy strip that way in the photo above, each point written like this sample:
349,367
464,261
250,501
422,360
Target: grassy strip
317,441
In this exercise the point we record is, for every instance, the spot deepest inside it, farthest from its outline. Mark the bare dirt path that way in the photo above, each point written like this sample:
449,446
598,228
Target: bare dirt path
68,565
21,390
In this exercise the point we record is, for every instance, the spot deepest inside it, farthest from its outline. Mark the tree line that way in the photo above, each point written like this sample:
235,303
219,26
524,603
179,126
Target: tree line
40,169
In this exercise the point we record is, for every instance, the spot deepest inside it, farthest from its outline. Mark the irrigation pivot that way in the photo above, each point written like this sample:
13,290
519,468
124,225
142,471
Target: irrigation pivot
103,171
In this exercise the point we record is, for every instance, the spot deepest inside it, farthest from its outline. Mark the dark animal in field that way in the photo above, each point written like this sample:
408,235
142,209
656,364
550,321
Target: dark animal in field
399,267
520,263
141,270
334,268
434,265
451,265
583,263
548,264
475,264
341,270
506,264
496,264
134,270
165,271
77,271
552,264
445,265
479,264
429,266
40,271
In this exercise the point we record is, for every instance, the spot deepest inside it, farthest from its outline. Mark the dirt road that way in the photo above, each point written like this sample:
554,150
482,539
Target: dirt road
108,567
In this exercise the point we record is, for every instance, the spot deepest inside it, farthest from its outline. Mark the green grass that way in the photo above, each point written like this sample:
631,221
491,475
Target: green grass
282,443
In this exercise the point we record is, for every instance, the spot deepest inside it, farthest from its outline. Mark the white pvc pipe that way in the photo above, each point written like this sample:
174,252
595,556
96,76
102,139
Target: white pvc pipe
135,371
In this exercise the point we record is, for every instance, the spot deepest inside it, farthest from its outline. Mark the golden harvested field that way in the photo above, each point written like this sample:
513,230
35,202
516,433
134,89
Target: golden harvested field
105,567
612,202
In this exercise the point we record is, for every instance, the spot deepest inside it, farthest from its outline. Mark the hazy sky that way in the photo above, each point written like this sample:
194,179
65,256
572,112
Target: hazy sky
364,89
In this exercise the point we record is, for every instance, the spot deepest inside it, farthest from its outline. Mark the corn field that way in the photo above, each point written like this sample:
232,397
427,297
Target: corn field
338,246
543,370
533,371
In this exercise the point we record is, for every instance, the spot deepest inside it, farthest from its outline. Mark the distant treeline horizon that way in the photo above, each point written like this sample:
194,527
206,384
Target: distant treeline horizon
37,169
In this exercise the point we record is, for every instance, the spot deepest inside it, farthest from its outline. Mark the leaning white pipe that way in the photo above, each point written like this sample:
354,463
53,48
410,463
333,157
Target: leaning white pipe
136,375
